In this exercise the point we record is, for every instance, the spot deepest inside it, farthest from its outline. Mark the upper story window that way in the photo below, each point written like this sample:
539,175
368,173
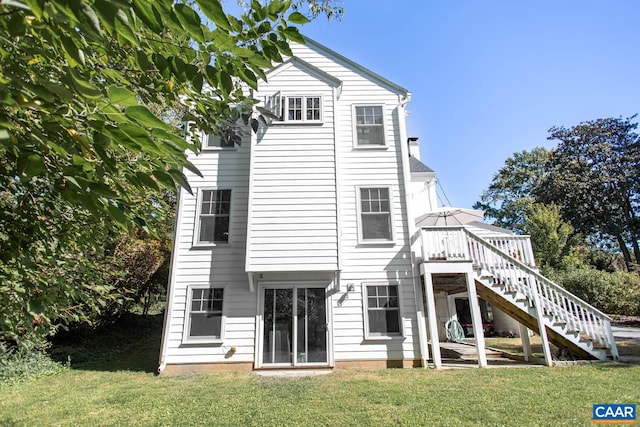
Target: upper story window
217,141
228,138
369,125
205,321
214,211
295,108
375,215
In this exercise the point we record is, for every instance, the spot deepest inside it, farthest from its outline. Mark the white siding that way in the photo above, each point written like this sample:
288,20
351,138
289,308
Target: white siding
293,219
368,263
295,215
222,265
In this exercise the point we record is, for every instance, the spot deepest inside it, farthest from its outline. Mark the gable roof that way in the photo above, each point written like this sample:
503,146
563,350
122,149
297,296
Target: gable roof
370,74
308,68
416,166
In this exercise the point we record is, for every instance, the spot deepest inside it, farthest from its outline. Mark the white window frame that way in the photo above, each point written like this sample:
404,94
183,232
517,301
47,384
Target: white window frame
208,339
279,105
196,227
365,307
356,144
361,239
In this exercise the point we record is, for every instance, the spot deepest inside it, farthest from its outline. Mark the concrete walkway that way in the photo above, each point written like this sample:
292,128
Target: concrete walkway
626,332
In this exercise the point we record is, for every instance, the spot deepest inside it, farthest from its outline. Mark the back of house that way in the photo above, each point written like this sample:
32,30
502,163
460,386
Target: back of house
294,249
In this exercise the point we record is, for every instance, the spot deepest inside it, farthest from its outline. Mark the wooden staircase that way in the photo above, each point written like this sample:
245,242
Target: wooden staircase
519,290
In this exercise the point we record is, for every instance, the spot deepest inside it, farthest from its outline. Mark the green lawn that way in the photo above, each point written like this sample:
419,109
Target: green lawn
507,396
111,382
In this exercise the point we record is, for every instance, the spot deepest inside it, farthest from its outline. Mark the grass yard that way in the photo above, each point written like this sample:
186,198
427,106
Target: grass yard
626,347
111,382
516,396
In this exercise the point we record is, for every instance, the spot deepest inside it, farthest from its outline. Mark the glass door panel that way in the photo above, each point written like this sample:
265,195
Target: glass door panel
311,343
278,325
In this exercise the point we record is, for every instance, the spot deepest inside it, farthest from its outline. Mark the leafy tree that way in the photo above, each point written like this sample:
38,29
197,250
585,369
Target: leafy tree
511,193
552,239
594,179
81,152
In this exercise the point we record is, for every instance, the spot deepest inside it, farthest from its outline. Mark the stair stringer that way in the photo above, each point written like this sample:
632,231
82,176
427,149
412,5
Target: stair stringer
520,308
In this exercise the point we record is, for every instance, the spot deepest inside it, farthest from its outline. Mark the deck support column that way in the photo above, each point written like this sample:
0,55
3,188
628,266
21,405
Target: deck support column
422,332
476,320
542,329
526,342
432,321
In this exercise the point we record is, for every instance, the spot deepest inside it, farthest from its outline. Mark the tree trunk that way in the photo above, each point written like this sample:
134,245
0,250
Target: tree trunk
625,252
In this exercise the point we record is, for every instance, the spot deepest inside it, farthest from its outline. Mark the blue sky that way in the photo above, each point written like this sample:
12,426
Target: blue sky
489,78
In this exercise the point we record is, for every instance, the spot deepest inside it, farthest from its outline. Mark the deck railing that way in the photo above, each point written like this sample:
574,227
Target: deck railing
518,247
509,262
445,244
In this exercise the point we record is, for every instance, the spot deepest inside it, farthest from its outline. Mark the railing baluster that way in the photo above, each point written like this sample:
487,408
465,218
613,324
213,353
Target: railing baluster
507,258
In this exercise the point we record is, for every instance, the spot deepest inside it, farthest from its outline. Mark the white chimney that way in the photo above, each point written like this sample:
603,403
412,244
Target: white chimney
414,147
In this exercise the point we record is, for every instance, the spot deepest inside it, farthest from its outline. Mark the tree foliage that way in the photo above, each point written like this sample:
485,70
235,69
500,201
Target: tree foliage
592,176
84,154
594,179
552,238
511,193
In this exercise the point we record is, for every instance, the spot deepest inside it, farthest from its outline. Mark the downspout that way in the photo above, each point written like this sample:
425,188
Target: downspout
412,229
336,152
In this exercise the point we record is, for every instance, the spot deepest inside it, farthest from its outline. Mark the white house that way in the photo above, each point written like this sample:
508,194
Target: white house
299,247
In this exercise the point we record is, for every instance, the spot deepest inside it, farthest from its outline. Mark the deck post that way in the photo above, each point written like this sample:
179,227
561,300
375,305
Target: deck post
432,321
542,329
422,332
476,320
526,342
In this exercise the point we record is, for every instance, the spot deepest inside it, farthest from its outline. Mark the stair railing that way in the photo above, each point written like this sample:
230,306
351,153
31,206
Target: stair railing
565,307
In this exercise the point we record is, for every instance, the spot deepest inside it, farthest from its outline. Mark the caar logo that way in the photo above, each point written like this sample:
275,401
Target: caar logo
604,413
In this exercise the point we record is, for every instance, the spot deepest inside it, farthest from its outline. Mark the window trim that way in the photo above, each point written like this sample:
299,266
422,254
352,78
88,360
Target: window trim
365,308
282,104
358,146
196,226
361,239
210,339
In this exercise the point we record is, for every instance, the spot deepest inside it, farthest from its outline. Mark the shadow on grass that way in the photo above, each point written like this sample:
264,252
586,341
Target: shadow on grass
132,343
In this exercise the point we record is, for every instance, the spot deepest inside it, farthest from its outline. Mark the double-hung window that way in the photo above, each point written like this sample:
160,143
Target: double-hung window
382,317
205,322
214,212
375,215
369,125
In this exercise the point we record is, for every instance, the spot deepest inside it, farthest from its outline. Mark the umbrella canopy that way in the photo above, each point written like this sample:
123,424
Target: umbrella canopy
449,216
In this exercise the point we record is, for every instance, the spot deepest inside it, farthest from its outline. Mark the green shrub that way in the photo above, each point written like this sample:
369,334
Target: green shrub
613,293
19,364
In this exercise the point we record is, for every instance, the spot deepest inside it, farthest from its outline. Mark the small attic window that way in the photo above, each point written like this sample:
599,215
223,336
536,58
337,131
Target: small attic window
295,109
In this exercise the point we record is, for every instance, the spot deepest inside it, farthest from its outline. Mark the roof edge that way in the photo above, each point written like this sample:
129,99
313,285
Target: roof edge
397,88
307,67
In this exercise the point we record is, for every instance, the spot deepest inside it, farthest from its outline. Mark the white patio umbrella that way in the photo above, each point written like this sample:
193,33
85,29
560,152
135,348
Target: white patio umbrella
449,216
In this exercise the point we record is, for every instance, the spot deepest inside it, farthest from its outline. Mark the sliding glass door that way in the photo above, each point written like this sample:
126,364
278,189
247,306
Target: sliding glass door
294,326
